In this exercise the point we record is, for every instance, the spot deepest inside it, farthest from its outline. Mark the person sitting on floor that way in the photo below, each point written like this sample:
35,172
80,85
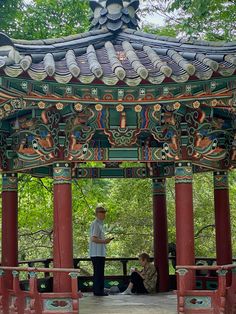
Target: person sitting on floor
143,281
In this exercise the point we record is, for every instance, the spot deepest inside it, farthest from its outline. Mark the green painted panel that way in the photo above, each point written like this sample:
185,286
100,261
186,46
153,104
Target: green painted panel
112,173
198,284
42,88
114,120
4,126
131,117
211,285
123,154
59,91
42,171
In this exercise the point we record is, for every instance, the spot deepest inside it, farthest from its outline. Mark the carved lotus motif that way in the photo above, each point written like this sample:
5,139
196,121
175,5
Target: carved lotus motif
114,15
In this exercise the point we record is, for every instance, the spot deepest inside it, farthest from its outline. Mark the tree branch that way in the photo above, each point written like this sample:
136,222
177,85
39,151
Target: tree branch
34,247
82,192
44,233
197,234
49,189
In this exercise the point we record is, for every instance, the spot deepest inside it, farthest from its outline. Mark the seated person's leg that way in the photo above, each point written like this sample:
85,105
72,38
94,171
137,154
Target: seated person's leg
137,282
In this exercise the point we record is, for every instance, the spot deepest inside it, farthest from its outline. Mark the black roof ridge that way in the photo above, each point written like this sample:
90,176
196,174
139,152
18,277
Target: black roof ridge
181,41
60,43
51,41
78,43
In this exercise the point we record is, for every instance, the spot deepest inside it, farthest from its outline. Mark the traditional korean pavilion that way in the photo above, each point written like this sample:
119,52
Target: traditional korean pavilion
117,94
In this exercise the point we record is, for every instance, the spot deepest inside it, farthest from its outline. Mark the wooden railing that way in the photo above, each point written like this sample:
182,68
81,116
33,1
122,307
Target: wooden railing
31,300
220,300
15,300
77,261
123,260
85,279
203,281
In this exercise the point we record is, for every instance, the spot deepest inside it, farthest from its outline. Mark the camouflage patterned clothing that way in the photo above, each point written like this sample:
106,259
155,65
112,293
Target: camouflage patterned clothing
149,274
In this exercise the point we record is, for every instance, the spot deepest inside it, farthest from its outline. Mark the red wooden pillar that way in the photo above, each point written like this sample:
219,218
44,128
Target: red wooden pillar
222,219
62,233
160,233
9,223
184,219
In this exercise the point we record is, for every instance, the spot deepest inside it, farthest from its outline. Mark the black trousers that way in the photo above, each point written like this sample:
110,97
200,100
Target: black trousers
98,274
137,281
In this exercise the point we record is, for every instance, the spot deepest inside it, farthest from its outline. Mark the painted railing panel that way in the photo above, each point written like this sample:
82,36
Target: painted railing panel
17,301
219,301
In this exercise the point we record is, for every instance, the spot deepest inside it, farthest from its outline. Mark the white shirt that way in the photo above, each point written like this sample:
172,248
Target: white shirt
97,230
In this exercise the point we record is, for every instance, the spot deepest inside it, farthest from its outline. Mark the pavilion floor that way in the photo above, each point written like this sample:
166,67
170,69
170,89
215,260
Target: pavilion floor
161,303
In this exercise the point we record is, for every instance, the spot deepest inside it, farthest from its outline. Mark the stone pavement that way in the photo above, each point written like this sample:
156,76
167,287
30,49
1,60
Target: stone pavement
161,303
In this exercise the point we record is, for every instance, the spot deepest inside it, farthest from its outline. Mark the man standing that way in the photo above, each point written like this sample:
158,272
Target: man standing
97,251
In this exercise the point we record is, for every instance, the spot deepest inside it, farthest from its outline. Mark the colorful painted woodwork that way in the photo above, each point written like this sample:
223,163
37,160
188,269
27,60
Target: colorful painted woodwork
167,135
32,301
111,95
221,180
183,173
222,299
174,101
9,182
159,187
62,173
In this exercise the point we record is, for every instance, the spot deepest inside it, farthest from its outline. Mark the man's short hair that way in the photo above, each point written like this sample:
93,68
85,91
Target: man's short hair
100,209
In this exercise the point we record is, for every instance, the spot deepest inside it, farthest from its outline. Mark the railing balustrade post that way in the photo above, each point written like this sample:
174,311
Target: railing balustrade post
233,285
181,273
16,282
2,286
74,291
124,264
15,299
33,283
222,288
46,265
74,284
33,291
3,295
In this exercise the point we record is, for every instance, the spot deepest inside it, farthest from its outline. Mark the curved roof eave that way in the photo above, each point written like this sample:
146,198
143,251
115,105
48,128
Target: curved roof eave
103,35
129,56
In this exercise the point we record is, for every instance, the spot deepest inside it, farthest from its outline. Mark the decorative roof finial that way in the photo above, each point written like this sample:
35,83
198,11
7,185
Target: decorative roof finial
114,15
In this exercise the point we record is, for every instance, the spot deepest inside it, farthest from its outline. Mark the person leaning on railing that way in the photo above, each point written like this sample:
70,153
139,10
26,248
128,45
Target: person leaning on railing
144,281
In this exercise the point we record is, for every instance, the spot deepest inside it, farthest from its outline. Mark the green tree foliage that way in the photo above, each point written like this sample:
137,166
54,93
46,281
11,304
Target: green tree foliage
9,10
35,217
215,19
129,218
207,19
36,214
167,30
132,216
39,19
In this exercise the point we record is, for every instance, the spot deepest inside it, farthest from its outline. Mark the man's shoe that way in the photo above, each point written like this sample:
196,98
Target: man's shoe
127,292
